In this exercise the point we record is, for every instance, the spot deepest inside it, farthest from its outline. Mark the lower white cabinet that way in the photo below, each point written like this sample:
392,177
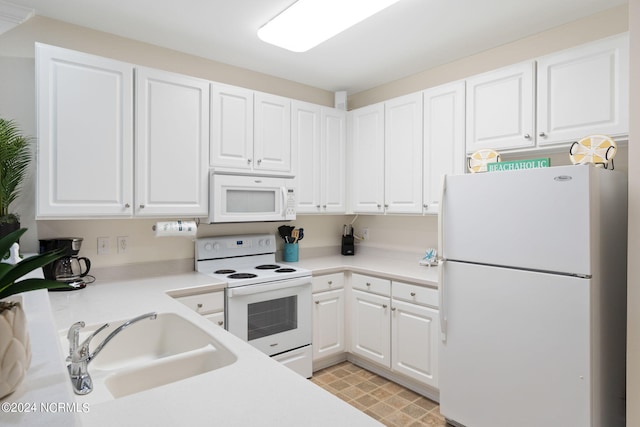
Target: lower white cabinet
208,304
395,325
328,316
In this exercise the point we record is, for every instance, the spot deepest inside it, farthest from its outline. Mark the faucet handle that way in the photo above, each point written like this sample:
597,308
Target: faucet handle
74,336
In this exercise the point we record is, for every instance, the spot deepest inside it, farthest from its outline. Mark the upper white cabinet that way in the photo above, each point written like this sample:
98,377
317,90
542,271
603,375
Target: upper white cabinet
319,133
584,90
88,164
403,154
272,133
500,108
85,135
443,139
250,131
572,94
172,144
231,127
367,159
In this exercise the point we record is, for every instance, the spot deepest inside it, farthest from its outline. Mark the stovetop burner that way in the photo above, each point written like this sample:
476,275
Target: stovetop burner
242,276
224,271
267,267
285,270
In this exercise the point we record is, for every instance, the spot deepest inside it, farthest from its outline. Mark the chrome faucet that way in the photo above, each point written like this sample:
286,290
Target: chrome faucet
79,354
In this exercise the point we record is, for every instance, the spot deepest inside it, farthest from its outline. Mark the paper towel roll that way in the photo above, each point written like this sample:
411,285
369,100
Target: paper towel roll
175,228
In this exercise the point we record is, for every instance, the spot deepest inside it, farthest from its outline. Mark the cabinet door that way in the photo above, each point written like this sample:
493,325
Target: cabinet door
328,323
414,331
500,108
583,91
367,159
231,127
443,140
370,327
272,133
403,154
85,135
172,144
333,176
306,136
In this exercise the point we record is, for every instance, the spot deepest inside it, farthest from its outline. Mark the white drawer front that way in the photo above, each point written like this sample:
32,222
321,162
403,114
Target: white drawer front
204,303
371,284
217,318
415,294
327,282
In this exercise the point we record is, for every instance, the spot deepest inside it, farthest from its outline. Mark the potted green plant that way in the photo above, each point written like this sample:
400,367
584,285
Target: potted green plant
15,156
15,348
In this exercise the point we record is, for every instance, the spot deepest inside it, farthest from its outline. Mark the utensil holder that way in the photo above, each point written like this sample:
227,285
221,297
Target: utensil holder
290,252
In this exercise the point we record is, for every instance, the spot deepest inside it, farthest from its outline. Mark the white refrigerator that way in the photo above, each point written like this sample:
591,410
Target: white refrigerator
533,298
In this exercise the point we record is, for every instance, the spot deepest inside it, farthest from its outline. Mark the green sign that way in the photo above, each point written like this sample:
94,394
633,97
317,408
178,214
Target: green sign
515,165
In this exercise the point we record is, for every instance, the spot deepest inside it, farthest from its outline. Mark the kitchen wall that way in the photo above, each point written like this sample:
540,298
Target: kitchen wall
412,233
607,23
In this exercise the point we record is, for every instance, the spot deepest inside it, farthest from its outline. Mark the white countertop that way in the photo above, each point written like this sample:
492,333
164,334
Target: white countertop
255,390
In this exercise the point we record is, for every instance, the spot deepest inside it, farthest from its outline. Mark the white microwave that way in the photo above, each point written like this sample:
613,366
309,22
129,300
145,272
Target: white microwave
245,198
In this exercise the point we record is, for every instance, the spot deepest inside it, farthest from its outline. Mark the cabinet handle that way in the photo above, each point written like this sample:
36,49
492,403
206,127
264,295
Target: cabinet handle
141,206
413,294
542,134
527,136
317,302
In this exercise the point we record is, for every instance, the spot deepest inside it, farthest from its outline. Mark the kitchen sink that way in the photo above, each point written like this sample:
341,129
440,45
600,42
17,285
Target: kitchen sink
149,354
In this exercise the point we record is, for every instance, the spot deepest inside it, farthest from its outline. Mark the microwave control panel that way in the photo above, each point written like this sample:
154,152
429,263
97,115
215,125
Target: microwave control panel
290,208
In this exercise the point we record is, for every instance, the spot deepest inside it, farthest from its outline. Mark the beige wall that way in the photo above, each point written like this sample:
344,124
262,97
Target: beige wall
633,282
610,22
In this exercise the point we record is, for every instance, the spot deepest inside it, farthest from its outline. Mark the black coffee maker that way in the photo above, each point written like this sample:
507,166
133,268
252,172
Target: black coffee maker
348,243
69,268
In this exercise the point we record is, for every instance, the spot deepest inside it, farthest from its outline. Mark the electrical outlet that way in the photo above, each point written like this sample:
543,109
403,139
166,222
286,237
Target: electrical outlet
123,244
365,234
103,245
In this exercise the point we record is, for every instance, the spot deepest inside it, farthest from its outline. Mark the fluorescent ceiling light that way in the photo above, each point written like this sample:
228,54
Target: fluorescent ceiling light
307,23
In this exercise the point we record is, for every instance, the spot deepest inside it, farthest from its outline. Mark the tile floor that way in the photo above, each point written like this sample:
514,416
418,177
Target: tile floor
386,401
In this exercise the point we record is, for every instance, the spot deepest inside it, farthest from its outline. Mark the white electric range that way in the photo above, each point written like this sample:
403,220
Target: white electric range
267,303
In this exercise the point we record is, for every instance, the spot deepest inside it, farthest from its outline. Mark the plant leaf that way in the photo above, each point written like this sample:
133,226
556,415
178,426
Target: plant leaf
25,266
27,285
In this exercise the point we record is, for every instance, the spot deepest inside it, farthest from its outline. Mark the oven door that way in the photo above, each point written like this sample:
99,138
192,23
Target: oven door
274,317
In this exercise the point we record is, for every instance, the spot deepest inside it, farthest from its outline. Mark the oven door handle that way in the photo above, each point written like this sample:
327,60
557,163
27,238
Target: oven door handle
267,287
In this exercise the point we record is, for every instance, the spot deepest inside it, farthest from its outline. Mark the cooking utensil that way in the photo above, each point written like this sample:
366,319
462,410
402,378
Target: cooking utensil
294,234
285,232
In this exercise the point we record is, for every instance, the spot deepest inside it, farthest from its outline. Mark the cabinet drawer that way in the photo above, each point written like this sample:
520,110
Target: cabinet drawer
204,303
415,294
371,284
217,318
327,282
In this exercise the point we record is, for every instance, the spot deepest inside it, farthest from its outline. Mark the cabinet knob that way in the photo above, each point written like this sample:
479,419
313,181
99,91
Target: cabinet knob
259,161
317,302
542,134
393,309
324,206
317,206
199,305
220,322
368,284
426,206
527,136
384,305
330,282
386,206
141,206
413,294
379,205
248,161
127,205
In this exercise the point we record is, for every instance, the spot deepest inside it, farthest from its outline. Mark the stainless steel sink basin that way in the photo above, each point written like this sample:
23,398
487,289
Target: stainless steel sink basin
150,354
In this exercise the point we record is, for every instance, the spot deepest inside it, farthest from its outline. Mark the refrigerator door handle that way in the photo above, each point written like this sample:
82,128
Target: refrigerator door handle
441,217
441,303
